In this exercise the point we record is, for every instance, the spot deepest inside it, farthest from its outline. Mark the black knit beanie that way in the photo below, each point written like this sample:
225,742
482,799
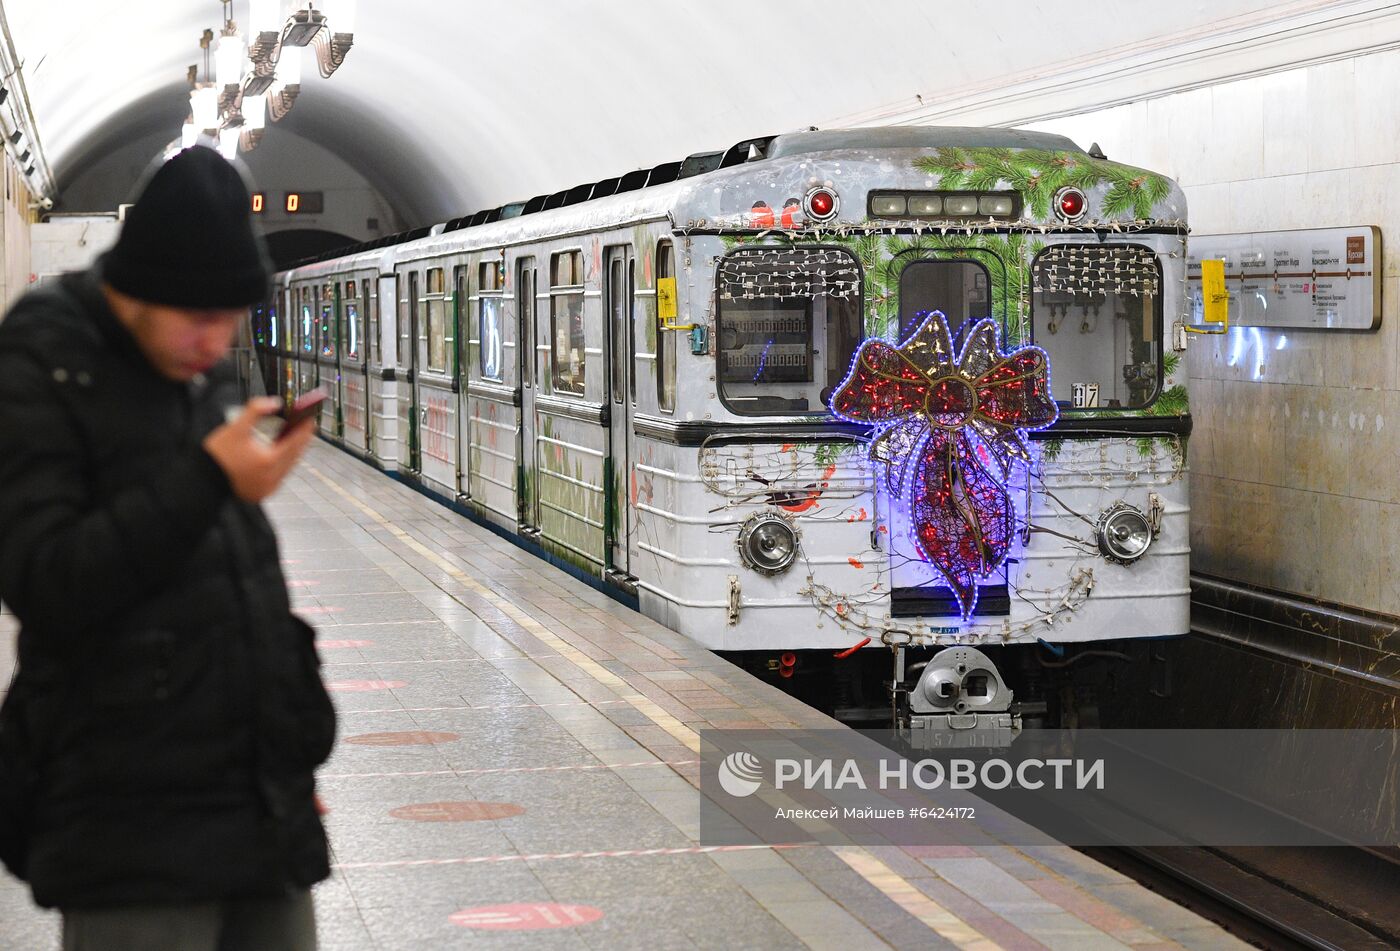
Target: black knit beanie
189,240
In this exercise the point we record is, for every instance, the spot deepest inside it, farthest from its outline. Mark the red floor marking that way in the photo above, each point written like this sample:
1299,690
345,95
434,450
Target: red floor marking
501,769
466,811
555,856
333,645
402,738
320,609
523,917
302,583
360,686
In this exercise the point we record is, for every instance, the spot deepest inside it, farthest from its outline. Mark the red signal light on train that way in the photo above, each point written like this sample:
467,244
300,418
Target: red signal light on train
821,204
1070,203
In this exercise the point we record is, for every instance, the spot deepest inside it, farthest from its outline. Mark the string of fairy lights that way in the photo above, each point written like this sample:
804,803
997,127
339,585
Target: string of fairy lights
1157,459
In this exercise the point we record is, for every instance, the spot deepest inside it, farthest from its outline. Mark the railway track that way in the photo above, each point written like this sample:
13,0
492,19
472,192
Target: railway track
1334,899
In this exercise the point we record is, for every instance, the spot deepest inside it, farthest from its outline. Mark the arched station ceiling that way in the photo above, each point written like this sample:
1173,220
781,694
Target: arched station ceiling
448,107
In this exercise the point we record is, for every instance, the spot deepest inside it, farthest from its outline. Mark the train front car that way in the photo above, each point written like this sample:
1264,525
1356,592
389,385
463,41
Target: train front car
947,414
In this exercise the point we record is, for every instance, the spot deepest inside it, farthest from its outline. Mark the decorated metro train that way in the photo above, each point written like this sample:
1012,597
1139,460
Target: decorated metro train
894,417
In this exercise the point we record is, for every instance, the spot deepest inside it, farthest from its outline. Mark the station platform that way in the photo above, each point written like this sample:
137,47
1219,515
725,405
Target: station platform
518,766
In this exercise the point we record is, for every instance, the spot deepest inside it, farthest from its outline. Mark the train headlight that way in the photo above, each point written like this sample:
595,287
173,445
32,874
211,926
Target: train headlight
821,204
768,543
995,205
1124,533
1070,204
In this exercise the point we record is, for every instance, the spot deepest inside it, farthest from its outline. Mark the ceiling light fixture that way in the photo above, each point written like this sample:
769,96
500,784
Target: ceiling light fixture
257,81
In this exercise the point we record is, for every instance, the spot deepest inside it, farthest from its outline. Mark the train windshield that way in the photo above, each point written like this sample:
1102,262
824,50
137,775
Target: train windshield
1096,310
788,323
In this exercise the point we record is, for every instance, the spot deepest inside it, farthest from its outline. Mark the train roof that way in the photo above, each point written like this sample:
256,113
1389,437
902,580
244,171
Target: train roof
717,190
915,137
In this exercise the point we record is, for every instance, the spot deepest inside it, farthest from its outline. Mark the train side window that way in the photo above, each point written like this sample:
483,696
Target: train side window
371,303
632,329
619,313
568,362
525,308
1095,311
308,331
350,305
326,330
434,309
788,323
665,339
490,283
408,320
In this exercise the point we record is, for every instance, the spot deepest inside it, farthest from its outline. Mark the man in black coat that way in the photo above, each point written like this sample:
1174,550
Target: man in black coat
157,745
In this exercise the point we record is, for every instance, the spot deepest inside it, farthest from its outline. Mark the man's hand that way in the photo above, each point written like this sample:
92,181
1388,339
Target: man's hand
254,466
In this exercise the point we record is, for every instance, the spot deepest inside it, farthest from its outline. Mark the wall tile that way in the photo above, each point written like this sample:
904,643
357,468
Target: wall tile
1377,120
1348,566
1284,132
1374,437
1331,115
1237,118
1294,560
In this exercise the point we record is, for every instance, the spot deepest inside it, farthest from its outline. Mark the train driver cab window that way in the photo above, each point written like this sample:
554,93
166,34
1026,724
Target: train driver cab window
665,339
1095,311
350,304
960,290
434,307
788,323
567,359
490,284
326,328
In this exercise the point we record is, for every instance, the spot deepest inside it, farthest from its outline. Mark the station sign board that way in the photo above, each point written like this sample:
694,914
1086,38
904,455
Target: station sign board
1321,278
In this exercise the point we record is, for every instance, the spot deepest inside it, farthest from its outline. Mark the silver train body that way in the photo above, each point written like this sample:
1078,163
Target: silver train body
635,384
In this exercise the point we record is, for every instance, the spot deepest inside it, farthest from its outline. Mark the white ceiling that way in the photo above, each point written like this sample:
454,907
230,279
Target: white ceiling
453,106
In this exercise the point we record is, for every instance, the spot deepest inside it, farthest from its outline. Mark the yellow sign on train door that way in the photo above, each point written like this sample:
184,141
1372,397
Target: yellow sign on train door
666,310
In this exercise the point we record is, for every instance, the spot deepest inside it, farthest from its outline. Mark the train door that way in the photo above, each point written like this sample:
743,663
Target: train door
369,333
434,380
620,395
408,365
385,371
353,359
966,287
461,381
306,356
328,367
527,478
287,356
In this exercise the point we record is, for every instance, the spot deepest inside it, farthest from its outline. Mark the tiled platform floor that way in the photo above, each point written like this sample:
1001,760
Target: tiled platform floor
468,673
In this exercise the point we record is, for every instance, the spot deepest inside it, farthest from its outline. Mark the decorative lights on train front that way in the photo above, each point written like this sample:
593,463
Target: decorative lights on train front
767,543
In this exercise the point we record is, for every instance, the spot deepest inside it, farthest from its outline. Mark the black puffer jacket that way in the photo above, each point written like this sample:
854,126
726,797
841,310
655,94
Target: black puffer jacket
168,705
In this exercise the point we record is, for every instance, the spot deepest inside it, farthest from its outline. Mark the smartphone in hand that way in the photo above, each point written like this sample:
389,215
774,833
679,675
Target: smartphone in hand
306,407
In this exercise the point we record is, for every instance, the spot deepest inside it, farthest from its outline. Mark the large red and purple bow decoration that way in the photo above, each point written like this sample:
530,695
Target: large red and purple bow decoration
948,430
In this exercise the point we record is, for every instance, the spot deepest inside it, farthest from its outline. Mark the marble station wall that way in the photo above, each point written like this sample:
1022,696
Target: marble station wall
1295,457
